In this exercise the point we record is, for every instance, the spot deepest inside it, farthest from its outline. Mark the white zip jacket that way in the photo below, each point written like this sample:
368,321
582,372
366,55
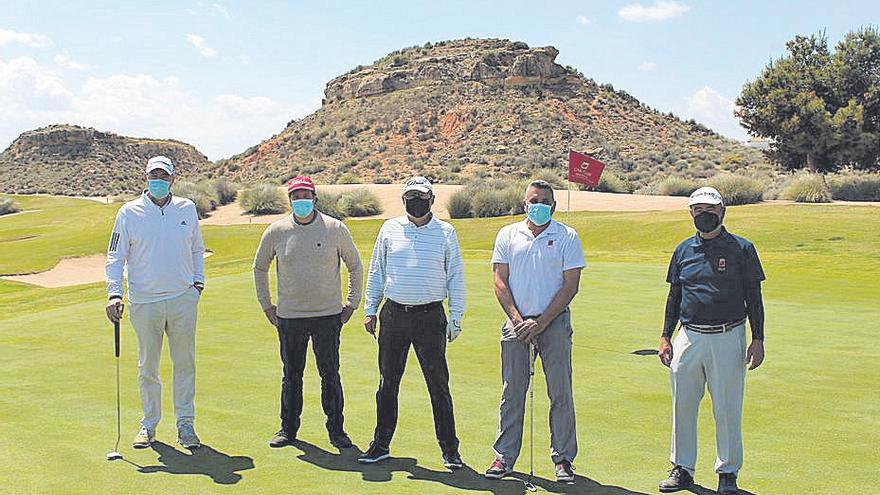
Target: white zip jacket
161,247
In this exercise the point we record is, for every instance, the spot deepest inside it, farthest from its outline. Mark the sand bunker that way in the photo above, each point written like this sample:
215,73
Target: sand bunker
69,271
389,196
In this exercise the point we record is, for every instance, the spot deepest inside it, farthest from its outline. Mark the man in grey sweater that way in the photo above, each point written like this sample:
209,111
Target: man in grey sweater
307,247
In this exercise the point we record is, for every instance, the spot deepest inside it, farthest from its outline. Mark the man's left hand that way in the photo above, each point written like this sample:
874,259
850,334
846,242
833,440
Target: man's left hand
528,330
755,354
347,311
453,330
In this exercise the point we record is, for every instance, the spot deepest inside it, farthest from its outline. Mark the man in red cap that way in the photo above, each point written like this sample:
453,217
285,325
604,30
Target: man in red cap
307,247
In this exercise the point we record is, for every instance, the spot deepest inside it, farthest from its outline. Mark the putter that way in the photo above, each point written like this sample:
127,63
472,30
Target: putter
115,455
529,485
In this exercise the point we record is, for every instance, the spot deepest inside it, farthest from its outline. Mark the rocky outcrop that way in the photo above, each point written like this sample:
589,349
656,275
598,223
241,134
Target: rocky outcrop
493,62
74,160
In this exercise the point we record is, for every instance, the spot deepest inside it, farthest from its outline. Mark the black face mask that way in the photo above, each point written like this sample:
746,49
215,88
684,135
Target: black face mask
707,222
418,207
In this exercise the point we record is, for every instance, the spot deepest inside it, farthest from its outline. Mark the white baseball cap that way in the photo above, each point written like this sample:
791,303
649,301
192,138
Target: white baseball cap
419,184
706,196
162,162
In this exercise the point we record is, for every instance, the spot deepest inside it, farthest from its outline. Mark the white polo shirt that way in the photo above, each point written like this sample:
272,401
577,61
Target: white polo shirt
536,263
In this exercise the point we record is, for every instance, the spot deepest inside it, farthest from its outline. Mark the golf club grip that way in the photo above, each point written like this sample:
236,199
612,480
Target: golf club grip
116,337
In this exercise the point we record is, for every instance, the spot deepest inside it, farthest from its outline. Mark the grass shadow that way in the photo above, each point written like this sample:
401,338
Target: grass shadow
221,468
463,479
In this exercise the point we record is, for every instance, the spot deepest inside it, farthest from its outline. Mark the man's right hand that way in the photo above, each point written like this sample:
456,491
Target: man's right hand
665,351
271,315
114,309
370,324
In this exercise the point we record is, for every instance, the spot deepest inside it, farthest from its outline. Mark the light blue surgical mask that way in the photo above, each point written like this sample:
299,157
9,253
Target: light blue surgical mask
302,207
539,213
158,188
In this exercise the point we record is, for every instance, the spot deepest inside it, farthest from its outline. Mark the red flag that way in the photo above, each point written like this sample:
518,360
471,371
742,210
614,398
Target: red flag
584,169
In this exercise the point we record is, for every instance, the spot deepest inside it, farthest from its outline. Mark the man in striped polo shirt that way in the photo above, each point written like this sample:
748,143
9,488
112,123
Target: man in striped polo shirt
416,263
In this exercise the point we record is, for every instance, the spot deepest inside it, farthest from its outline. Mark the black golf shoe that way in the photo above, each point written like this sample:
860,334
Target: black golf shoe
727,484
452,460
340,440
281,439
679,479
498,470
374,454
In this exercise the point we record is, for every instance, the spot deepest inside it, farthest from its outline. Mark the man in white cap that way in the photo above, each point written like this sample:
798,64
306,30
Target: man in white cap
715,285
157,238
416,264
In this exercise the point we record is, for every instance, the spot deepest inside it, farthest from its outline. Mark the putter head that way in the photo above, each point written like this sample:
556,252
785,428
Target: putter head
113,456
530,486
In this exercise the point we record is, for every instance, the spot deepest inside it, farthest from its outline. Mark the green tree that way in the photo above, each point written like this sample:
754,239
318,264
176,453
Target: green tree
820,108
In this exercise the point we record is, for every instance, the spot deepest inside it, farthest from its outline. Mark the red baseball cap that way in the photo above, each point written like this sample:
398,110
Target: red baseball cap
300,182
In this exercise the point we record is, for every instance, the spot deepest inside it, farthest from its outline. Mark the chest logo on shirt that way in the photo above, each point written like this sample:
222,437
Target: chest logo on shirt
722,265
183,222
550,243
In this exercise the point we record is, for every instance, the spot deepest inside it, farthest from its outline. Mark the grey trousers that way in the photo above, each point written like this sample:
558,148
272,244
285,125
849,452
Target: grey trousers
554,347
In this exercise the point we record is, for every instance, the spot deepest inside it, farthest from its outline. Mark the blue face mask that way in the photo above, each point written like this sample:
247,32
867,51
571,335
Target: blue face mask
539,213
302,207
158,188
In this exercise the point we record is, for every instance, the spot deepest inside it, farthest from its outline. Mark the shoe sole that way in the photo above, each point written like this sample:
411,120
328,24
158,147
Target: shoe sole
141,446
676,489
279,445
565,479
453,465
374,460
189,446
497,476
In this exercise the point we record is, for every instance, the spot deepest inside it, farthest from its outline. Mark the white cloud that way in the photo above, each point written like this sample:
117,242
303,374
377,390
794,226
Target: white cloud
200,44
256,105
715,110
583,20
221,9
28,39
68,63
142,105
660,10
647,65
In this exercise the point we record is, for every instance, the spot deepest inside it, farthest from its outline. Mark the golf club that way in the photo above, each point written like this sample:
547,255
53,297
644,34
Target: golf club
529,485
115,455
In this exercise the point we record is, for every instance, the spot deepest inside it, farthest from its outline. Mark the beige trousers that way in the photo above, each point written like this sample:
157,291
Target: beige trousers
177,318
719,361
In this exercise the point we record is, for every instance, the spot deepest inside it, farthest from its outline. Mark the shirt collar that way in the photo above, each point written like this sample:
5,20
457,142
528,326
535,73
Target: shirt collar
407,223
723,236
149,202
552,229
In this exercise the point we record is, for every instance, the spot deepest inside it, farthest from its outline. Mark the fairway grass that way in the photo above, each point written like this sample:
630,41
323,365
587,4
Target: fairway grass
812,411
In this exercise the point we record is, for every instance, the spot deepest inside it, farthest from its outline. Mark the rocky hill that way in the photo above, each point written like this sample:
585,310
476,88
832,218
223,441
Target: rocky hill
80,161
470,108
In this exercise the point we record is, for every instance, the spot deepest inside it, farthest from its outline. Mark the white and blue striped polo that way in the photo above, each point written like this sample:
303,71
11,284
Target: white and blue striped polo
416,265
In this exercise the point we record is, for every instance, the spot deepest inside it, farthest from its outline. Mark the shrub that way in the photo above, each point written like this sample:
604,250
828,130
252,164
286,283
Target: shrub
359,203
263,199
459,204
609,182
855,187
7,206
328,204
676,186
226,190
348,178
553,178
202,194
738,189
806,188
382,180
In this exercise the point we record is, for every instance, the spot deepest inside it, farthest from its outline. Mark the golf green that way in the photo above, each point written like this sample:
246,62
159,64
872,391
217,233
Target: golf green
812,411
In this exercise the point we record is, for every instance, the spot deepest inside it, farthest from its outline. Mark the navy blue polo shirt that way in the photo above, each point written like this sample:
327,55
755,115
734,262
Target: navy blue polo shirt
714,274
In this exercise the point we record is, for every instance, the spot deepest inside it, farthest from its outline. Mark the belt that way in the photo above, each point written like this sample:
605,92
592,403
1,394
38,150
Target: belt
722,328
414,308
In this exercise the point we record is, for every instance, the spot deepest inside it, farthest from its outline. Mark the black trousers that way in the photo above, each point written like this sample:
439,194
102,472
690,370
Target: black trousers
294,335
426,332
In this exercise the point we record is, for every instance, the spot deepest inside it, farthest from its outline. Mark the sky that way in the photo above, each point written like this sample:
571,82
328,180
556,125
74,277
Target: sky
225,75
